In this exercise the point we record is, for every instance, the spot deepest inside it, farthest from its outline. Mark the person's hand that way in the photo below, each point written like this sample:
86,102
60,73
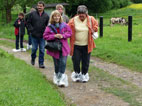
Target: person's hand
59,36
19,22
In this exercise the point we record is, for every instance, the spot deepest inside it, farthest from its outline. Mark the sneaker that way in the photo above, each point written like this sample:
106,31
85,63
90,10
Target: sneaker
56,79
32,62
41,66
76,77
16,50
85,78
29,46
23,50
63,82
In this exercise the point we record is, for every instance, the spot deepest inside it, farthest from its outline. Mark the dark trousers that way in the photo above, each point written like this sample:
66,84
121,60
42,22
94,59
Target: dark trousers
81,55
38,42
17,41
60,64
30,40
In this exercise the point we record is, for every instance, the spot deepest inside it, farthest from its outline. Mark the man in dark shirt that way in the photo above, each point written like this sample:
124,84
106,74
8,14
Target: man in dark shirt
37,22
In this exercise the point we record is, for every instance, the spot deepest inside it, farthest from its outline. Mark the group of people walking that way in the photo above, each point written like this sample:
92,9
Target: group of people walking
43,28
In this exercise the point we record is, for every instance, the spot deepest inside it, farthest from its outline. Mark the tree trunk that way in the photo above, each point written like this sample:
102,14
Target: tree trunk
8,15
24,9
3,17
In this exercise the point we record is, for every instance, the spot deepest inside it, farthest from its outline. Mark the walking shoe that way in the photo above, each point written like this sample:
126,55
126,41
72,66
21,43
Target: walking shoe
41,66
76,77
32,62
23,50
29,46
85,78
56,79
63,82
16,50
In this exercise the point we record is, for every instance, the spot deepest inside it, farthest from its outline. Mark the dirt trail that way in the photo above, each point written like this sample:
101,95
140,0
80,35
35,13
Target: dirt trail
81,94
114,69
118,71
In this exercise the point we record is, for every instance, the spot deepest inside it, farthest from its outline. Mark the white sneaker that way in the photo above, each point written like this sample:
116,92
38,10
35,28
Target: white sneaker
55,79
63,81
85,78
16,50
23,50
76,77
29,46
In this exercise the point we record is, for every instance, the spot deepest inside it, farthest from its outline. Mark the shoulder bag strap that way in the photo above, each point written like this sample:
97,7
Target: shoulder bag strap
91,24
53,29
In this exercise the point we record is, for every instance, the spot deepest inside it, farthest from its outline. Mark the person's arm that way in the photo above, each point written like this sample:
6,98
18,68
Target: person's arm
47,20
67,19
16,24
67,32
48,34
29,22
95,24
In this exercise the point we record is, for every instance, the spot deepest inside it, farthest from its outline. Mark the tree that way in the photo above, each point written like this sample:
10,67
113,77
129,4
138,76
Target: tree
7,6
95,5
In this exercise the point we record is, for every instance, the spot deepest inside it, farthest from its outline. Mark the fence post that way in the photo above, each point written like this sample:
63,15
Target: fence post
101,26
129,28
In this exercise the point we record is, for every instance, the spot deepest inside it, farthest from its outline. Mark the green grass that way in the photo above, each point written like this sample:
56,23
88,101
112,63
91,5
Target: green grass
7,31
23,85
114,47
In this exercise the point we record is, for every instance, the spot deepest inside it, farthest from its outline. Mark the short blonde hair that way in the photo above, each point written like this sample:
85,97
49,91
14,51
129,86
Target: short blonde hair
55,12
59,6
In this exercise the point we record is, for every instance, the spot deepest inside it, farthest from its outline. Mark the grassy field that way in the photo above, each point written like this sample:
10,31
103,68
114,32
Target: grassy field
25,86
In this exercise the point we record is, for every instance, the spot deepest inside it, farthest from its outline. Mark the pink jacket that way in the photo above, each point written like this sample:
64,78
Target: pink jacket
66,32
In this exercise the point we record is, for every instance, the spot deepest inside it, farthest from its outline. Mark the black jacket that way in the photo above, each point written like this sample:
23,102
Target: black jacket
20,26
36,24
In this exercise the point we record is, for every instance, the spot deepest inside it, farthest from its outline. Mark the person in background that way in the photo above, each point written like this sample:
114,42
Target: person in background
37,22
19,32
61,32
82,43
60,8
29,45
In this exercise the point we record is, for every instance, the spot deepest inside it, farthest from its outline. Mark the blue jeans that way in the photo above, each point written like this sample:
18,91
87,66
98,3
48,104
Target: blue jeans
35,43
60,64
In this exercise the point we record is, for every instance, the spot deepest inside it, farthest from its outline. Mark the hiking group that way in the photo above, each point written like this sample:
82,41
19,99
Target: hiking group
58,28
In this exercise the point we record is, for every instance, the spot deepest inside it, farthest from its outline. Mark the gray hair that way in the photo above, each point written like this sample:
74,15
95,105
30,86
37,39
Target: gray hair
82,9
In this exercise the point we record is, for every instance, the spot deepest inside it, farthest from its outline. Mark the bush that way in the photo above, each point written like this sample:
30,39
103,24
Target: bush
137,1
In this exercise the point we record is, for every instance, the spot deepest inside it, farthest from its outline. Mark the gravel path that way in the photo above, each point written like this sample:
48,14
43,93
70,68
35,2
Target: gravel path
118,71
81,94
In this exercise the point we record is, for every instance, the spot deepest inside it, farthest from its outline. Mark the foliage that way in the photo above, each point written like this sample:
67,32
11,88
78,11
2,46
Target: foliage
96,6
137,1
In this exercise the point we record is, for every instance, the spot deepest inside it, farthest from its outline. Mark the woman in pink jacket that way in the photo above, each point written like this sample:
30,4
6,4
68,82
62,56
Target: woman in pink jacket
61,31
